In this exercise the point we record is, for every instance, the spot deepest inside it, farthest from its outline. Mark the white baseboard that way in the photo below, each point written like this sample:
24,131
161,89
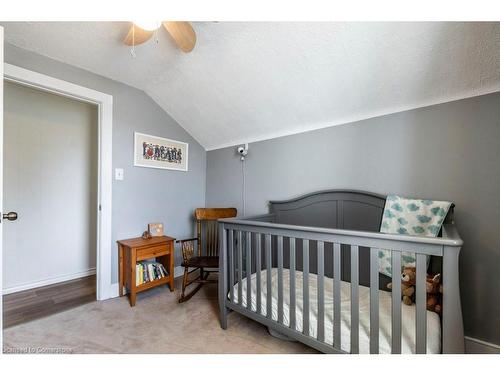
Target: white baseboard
114,288
48,281
114,291
178,271
476,346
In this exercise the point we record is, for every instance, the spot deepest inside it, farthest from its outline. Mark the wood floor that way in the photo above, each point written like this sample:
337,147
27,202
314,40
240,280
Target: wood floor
36,303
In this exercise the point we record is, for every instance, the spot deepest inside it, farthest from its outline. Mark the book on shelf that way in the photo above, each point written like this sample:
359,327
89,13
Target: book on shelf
147,271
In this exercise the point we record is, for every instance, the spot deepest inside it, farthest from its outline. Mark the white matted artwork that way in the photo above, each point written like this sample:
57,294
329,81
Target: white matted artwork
157,152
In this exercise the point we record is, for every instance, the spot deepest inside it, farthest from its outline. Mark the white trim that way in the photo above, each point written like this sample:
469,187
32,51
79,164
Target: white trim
114,291
178,271
162,139
1,178
105,109
490,346
49,281
355,118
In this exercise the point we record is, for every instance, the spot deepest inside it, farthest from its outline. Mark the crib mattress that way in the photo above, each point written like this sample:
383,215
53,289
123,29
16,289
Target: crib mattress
408,322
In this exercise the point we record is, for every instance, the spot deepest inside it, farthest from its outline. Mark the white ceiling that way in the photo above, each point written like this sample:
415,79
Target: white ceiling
251,81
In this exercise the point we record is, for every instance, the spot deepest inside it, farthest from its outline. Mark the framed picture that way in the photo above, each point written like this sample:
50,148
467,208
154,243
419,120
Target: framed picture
157,152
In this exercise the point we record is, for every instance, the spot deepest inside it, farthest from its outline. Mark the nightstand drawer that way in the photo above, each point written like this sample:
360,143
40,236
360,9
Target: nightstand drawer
152,252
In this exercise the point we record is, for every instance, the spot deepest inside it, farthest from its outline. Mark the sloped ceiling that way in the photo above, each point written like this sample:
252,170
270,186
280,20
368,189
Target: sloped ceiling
250,81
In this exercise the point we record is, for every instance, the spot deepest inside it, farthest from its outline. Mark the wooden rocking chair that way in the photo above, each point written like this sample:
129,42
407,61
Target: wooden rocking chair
207,244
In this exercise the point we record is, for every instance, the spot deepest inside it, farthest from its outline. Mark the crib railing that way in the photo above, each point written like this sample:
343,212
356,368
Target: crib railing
241,255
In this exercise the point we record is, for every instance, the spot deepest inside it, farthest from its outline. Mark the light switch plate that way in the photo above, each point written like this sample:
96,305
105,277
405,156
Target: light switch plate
119,174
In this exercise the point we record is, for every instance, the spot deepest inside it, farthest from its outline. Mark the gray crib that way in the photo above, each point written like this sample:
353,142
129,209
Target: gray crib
309,270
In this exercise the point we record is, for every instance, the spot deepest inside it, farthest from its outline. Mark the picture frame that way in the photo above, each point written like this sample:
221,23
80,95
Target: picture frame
151,151
156,229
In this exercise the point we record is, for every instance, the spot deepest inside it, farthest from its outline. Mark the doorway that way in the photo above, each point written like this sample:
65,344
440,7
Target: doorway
50,185
102,105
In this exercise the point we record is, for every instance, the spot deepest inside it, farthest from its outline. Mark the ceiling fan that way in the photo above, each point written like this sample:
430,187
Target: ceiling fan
181,32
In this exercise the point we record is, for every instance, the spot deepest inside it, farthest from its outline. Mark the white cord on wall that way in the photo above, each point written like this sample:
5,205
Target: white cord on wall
243,192
243,152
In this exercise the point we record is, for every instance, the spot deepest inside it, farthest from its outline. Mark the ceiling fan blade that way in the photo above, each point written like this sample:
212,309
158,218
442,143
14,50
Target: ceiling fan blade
182,33
136,36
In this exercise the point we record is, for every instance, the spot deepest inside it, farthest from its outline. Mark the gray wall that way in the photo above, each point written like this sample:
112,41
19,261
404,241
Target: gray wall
146,194
449,151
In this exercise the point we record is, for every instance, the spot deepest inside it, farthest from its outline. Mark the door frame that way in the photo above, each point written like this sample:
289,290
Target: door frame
12,73
1,181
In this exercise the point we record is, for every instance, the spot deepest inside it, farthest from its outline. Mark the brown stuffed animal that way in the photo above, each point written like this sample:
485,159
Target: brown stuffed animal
408,281
433,289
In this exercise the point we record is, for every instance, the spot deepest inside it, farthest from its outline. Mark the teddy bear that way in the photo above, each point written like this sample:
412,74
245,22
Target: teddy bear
408,281
433,286
434,290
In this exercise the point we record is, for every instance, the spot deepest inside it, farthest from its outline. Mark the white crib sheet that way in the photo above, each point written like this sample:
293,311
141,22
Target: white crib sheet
407,313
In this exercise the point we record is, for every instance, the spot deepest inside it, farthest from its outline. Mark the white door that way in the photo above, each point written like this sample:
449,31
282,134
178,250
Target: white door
50,181
1,173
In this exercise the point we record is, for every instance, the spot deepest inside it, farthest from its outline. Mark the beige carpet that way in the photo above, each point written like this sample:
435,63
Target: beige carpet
157,324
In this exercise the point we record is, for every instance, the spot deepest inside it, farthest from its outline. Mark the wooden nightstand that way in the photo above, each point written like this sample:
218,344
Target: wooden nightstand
134,250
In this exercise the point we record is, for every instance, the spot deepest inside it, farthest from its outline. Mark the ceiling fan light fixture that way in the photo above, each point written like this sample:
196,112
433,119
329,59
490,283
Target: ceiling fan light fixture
181,32
147,25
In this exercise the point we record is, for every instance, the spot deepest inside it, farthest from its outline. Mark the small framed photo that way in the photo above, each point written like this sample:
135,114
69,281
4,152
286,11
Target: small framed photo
157,152
155,229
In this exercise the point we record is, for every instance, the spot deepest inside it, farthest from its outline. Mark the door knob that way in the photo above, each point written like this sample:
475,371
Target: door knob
10,216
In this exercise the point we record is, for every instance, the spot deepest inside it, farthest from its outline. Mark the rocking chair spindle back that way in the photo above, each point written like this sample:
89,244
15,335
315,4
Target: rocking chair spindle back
207,258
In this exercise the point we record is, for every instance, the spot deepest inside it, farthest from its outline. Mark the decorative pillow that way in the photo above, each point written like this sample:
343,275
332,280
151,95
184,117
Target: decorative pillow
414,217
